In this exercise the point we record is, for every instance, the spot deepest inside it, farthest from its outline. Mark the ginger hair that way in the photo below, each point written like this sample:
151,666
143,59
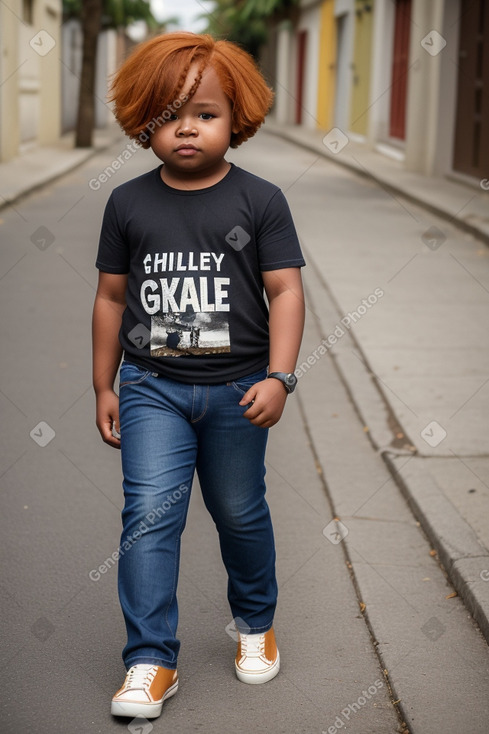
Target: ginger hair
150,82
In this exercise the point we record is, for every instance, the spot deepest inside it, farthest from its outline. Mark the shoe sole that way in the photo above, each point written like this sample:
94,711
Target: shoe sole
257,678
147,710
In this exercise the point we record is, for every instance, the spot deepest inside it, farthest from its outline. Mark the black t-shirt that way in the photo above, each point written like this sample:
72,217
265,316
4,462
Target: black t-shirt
195,306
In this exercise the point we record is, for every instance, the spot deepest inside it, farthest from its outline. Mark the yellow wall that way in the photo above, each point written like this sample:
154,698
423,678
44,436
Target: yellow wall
327,71
361,70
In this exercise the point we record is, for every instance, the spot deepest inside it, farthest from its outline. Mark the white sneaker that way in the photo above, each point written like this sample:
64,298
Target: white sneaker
144,690
257,659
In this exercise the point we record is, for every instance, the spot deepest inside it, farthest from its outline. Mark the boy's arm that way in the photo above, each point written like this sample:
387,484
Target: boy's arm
286,322
108,308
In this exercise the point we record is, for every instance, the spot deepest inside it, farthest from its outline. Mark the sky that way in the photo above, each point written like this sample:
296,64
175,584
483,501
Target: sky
186,10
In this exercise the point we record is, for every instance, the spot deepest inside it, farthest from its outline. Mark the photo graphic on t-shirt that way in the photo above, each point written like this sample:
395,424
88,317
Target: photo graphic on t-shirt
180,334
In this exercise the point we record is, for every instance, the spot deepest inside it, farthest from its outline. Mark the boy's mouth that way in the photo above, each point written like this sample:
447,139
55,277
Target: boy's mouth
187,149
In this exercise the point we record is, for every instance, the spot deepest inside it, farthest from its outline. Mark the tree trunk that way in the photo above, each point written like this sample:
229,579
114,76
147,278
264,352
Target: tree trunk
91,18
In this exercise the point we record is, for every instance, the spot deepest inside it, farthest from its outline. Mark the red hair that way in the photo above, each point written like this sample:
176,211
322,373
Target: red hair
148,86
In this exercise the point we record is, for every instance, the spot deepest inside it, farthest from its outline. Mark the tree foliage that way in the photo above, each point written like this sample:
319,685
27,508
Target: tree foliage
116,13
247,22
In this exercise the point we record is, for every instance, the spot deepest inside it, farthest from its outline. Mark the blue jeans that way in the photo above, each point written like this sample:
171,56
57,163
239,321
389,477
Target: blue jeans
169,430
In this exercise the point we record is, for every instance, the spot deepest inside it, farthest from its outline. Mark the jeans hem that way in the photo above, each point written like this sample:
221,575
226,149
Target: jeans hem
145,660
255,630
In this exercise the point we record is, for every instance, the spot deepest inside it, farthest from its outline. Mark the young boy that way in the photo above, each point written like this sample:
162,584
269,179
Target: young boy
185,255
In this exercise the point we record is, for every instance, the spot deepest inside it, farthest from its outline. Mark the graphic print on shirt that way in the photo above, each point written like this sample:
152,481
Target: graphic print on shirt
189,313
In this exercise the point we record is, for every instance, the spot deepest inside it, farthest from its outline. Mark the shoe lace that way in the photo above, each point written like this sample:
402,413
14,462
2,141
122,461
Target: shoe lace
140,676
252,645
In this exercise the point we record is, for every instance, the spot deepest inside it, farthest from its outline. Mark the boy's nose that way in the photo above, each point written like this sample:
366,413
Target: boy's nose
186,129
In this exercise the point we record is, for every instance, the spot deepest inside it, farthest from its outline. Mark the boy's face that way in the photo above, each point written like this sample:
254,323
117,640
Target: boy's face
193,142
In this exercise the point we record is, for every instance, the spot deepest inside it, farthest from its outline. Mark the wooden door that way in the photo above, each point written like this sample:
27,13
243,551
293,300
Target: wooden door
471,149
301,68
399,77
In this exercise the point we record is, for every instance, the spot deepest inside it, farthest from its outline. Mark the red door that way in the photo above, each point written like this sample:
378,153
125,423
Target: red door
301,68
399,77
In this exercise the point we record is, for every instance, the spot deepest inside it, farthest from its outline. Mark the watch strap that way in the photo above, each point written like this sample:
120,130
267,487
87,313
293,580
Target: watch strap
285,378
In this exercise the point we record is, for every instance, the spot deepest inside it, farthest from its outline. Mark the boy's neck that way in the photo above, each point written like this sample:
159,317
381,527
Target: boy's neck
193,181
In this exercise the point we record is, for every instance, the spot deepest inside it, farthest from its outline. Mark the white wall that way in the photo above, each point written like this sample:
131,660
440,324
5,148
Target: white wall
29,87
447,91
30,97
284,94
9,63
423,119
310,21
71,71
381,74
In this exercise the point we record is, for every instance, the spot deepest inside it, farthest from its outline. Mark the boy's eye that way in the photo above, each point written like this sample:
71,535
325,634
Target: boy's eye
172,118
206,115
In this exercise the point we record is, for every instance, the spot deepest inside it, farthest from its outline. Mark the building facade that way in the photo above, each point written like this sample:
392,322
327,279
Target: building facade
30,92
408,78
40,67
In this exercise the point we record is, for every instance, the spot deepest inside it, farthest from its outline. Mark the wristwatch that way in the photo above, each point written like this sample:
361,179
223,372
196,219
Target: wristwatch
289,380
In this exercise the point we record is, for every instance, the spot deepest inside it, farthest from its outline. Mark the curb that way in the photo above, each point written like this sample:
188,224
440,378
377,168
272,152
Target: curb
389,187
459,550
76,157
464,559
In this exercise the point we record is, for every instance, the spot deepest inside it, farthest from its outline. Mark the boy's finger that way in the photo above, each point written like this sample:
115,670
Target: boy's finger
248,397
116,429
108,436
112,440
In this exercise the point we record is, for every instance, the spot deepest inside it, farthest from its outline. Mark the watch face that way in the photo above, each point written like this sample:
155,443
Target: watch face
290,379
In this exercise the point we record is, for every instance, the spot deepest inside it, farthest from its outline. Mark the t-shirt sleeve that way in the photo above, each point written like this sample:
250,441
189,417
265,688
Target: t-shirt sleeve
277,241
113,251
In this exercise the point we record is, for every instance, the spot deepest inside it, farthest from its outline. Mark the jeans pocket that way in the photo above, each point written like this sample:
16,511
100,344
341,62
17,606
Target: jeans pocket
131,374
243,384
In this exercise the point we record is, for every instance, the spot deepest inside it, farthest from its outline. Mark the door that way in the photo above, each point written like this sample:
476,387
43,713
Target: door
399,77
471,149
343,72
362,56
301,68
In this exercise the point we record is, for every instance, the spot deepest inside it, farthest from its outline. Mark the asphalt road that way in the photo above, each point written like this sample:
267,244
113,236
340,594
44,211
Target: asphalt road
362,606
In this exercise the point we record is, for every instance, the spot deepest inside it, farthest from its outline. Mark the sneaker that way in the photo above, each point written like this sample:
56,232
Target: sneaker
257,659
144,690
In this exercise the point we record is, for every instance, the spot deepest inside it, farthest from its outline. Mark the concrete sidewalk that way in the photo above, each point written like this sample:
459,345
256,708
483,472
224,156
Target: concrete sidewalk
416,370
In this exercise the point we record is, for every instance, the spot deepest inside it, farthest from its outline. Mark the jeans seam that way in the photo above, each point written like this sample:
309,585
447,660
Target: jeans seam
176,567
206,405
136,382
174,584
235,384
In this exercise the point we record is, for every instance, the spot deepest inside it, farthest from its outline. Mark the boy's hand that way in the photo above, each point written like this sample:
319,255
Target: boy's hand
268,398
107,416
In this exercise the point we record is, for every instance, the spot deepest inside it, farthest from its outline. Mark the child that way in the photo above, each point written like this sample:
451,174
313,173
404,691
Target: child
185,254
